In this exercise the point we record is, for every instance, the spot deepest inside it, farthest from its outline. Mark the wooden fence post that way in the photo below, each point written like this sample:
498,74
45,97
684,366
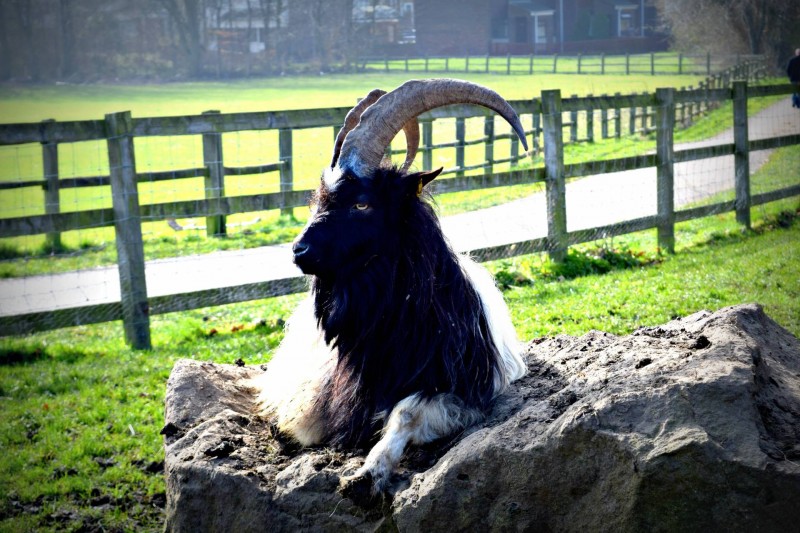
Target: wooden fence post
52,200
466,63
215,179
285,158
128,228
704,102
617,120
487,63
537,128
554,175
665,119
708,63
488,150
590,122
652,64
627,63
508,64
573,123
680,63
530,65
604,122
682,111
580,60
460,137
741,153
514,151
555,63
427,144
632,120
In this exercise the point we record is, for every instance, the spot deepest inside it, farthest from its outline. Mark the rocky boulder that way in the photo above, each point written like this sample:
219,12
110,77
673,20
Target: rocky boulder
693,425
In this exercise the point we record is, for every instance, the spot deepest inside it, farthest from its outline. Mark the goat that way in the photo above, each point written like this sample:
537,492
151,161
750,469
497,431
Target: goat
399,333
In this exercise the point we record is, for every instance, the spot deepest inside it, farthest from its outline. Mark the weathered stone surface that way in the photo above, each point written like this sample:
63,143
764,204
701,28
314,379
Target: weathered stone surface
694,425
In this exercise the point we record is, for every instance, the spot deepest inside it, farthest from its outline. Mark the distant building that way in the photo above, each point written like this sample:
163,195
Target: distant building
388,21
536,26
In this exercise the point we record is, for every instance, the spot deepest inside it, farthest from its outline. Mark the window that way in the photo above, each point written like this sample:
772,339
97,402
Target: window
627,21
542,27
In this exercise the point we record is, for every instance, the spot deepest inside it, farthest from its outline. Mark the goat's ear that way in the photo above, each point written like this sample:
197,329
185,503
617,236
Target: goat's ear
413,183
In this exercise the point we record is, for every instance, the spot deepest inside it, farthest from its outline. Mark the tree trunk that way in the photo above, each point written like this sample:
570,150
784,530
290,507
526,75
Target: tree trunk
5,47
66,65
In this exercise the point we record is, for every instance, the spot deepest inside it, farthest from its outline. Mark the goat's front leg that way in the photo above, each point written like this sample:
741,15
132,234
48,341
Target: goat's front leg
413,420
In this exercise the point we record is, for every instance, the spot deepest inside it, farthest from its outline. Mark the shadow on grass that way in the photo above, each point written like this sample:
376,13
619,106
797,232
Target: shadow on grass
601,259
578,263
24,354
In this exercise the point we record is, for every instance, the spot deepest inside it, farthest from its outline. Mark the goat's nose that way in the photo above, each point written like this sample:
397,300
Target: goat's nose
300,248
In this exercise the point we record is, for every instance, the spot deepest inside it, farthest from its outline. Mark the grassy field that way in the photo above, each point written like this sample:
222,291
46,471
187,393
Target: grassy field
85,102
91,247
81,412
311,147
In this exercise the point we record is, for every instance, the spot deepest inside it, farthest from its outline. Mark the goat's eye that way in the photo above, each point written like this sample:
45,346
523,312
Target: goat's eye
361,206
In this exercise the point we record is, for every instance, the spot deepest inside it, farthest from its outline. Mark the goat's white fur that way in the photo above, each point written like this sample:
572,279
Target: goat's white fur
331,175
303,361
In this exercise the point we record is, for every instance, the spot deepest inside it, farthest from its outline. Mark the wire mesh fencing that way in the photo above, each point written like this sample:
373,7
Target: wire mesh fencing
130,217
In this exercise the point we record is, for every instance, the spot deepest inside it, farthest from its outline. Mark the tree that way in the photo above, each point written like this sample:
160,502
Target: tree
5,44
66,64
188,16
732,26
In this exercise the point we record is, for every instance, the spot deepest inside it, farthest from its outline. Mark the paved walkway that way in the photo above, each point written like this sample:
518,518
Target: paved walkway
605,199
591,201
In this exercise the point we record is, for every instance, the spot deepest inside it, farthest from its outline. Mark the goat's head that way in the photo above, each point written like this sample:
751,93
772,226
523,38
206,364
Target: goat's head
360,205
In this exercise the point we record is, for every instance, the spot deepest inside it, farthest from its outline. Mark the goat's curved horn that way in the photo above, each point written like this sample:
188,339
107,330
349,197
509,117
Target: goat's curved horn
364,146
411,129
351,120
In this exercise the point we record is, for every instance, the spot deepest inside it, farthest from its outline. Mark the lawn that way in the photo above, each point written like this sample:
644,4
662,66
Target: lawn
311,147
91,247
86,102
81,412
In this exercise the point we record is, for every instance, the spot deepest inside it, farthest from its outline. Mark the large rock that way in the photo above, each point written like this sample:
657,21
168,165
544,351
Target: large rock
694,425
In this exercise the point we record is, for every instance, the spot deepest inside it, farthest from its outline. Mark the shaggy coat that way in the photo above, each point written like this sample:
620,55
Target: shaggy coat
403,319
393,313
401,340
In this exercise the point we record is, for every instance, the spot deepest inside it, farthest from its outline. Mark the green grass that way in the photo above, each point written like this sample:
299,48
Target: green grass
94,247
312,148
86,102
82,415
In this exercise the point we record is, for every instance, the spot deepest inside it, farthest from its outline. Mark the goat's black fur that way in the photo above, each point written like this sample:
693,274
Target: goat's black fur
390,295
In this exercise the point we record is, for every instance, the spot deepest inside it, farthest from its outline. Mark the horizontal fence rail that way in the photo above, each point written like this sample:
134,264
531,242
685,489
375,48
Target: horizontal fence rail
552,118
510,64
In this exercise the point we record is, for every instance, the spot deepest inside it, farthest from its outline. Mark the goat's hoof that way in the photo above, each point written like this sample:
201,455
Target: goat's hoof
361,490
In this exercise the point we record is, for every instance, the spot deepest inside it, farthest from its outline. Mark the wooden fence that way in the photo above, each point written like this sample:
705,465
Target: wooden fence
627,64
613,115
127,213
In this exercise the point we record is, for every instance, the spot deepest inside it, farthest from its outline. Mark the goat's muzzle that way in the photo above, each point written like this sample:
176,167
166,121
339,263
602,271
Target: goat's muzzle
303,256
